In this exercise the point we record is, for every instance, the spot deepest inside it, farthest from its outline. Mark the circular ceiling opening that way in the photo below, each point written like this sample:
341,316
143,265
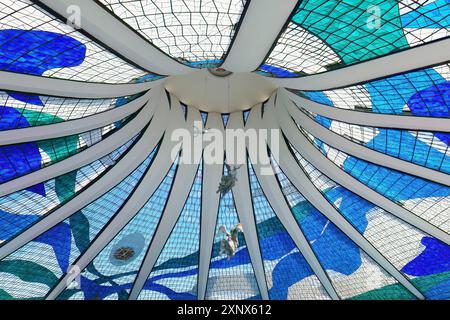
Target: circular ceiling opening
219,90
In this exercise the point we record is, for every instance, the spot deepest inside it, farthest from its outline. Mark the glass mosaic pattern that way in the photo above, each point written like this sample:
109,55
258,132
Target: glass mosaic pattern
195,32
324,35
319,36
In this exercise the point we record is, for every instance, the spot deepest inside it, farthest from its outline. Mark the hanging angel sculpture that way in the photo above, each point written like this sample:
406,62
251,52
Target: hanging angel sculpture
229,180
230,244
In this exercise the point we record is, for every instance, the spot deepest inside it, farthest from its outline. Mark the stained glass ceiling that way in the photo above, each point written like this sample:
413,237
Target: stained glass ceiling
193,32
325,35
96,201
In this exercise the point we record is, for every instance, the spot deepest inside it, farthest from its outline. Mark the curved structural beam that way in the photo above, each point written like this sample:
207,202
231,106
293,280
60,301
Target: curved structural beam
149,184
82,158
304,185
152,179
182,185
322,163
274,195
281,209
111,178
212,173
262,23
414,58
103,26
337,141
45,86
244,208
371,119
71,127
174,207
328,168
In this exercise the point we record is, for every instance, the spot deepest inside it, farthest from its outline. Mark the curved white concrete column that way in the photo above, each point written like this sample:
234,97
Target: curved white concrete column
304,185
259,30
149,184
328,168
212,173
114,33
371,119
244,207
44,86
71,127
337,141
111,178
82,158
138,199
182,185
274,195
411,59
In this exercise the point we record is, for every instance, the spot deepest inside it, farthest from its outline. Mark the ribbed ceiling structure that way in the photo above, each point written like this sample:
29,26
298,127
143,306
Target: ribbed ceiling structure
96,202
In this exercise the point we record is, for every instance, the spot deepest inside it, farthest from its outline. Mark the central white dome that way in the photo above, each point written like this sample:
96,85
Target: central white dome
223,94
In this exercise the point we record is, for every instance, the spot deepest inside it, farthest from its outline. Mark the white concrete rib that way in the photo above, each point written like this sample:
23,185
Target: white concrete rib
182,185
71,127
277,201
152,179
322,163
149,184
45,86
339,142
111,178
114,33
304,185
262,23
371,119
244,207
328,168
82,158
422,56
212,173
